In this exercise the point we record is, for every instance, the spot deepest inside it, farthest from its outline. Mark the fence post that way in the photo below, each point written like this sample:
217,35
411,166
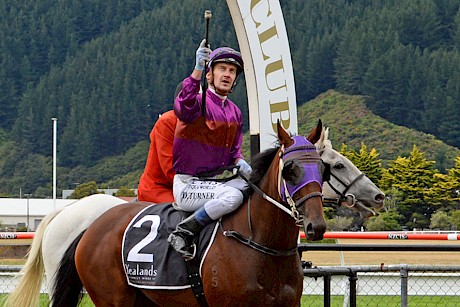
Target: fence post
353,278
404,279
327,290
346,293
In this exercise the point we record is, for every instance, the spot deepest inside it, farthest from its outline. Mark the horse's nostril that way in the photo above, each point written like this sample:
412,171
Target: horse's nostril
314,231
310,230
379,198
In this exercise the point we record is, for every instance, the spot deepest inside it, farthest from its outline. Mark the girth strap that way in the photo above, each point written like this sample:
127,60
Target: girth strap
194,279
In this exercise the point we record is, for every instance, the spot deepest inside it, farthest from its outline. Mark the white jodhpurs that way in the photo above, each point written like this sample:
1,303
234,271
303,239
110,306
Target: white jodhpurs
218,198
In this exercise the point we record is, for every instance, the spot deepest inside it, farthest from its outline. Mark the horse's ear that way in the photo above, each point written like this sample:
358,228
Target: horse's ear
283,136
315,134
327,142
320,144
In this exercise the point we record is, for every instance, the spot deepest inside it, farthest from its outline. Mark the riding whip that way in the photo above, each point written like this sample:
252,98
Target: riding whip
207,17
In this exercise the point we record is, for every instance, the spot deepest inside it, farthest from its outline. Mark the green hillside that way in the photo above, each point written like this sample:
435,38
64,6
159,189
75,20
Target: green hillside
352,123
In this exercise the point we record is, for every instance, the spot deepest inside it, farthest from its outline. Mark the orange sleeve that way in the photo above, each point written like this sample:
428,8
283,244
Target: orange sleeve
155,184
164,135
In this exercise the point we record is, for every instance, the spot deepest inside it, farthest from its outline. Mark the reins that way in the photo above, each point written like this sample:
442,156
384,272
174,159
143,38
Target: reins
293,212
249,242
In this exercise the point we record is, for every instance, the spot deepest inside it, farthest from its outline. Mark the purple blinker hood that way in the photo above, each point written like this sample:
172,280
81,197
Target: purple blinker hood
302,151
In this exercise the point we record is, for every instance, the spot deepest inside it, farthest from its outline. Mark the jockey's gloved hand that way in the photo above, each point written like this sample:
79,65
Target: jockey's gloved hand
245,168
202,55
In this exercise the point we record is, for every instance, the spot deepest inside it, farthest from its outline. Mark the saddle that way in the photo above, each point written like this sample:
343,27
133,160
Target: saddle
148,259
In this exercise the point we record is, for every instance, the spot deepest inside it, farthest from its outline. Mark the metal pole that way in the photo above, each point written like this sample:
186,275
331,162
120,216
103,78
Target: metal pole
346,292
27,214
27,209
54,159
353,278
327,290
404,276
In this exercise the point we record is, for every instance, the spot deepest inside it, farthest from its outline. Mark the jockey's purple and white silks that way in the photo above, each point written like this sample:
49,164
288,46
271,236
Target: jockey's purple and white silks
203,144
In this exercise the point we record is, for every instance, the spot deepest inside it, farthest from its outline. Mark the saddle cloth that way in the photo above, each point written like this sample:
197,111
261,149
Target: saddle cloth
148,259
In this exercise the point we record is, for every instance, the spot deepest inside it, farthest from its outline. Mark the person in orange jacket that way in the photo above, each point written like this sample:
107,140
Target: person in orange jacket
156,183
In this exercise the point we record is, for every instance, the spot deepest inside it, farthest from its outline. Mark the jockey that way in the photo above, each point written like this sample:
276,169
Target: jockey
156,183
205,144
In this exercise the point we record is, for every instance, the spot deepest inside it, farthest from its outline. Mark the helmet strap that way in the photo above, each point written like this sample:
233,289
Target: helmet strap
233,86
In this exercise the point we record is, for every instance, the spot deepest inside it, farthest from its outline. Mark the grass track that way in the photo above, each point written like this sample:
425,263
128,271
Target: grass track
384,300
337,301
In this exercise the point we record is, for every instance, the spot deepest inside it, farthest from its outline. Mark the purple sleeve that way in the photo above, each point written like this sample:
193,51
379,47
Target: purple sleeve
236,149
187,105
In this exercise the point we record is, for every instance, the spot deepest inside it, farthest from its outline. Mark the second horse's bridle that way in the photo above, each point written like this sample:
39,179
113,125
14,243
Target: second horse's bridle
343,196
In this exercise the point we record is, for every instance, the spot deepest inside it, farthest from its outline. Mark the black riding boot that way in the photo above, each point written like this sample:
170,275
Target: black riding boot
181,238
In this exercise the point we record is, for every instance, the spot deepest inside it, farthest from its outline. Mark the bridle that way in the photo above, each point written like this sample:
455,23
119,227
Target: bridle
343,196
305,154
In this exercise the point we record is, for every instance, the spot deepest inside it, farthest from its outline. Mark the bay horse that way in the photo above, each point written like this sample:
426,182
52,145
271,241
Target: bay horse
59,228
264,269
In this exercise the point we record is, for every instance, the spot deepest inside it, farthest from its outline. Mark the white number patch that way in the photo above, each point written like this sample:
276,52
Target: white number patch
134,255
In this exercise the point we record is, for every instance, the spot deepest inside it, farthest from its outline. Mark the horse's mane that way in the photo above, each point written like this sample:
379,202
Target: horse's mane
260,164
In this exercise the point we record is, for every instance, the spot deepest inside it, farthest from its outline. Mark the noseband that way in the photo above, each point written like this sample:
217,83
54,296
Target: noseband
343,196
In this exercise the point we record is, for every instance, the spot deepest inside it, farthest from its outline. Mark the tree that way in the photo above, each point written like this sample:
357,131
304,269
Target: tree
455,219
445,191
367,161
418,24
413,176
386,80
440,220
85,189
456,30
418,220
450,125
384,221
352,57
339,223
319,67
125,191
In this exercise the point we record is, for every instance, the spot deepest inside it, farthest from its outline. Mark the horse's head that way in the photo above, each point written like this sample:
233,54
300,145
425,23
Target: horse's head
345,183
300,181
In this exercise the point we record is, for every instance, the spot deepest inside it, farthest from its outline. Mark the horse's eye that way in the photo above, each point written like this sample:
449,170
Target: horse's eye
339,165
293,172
